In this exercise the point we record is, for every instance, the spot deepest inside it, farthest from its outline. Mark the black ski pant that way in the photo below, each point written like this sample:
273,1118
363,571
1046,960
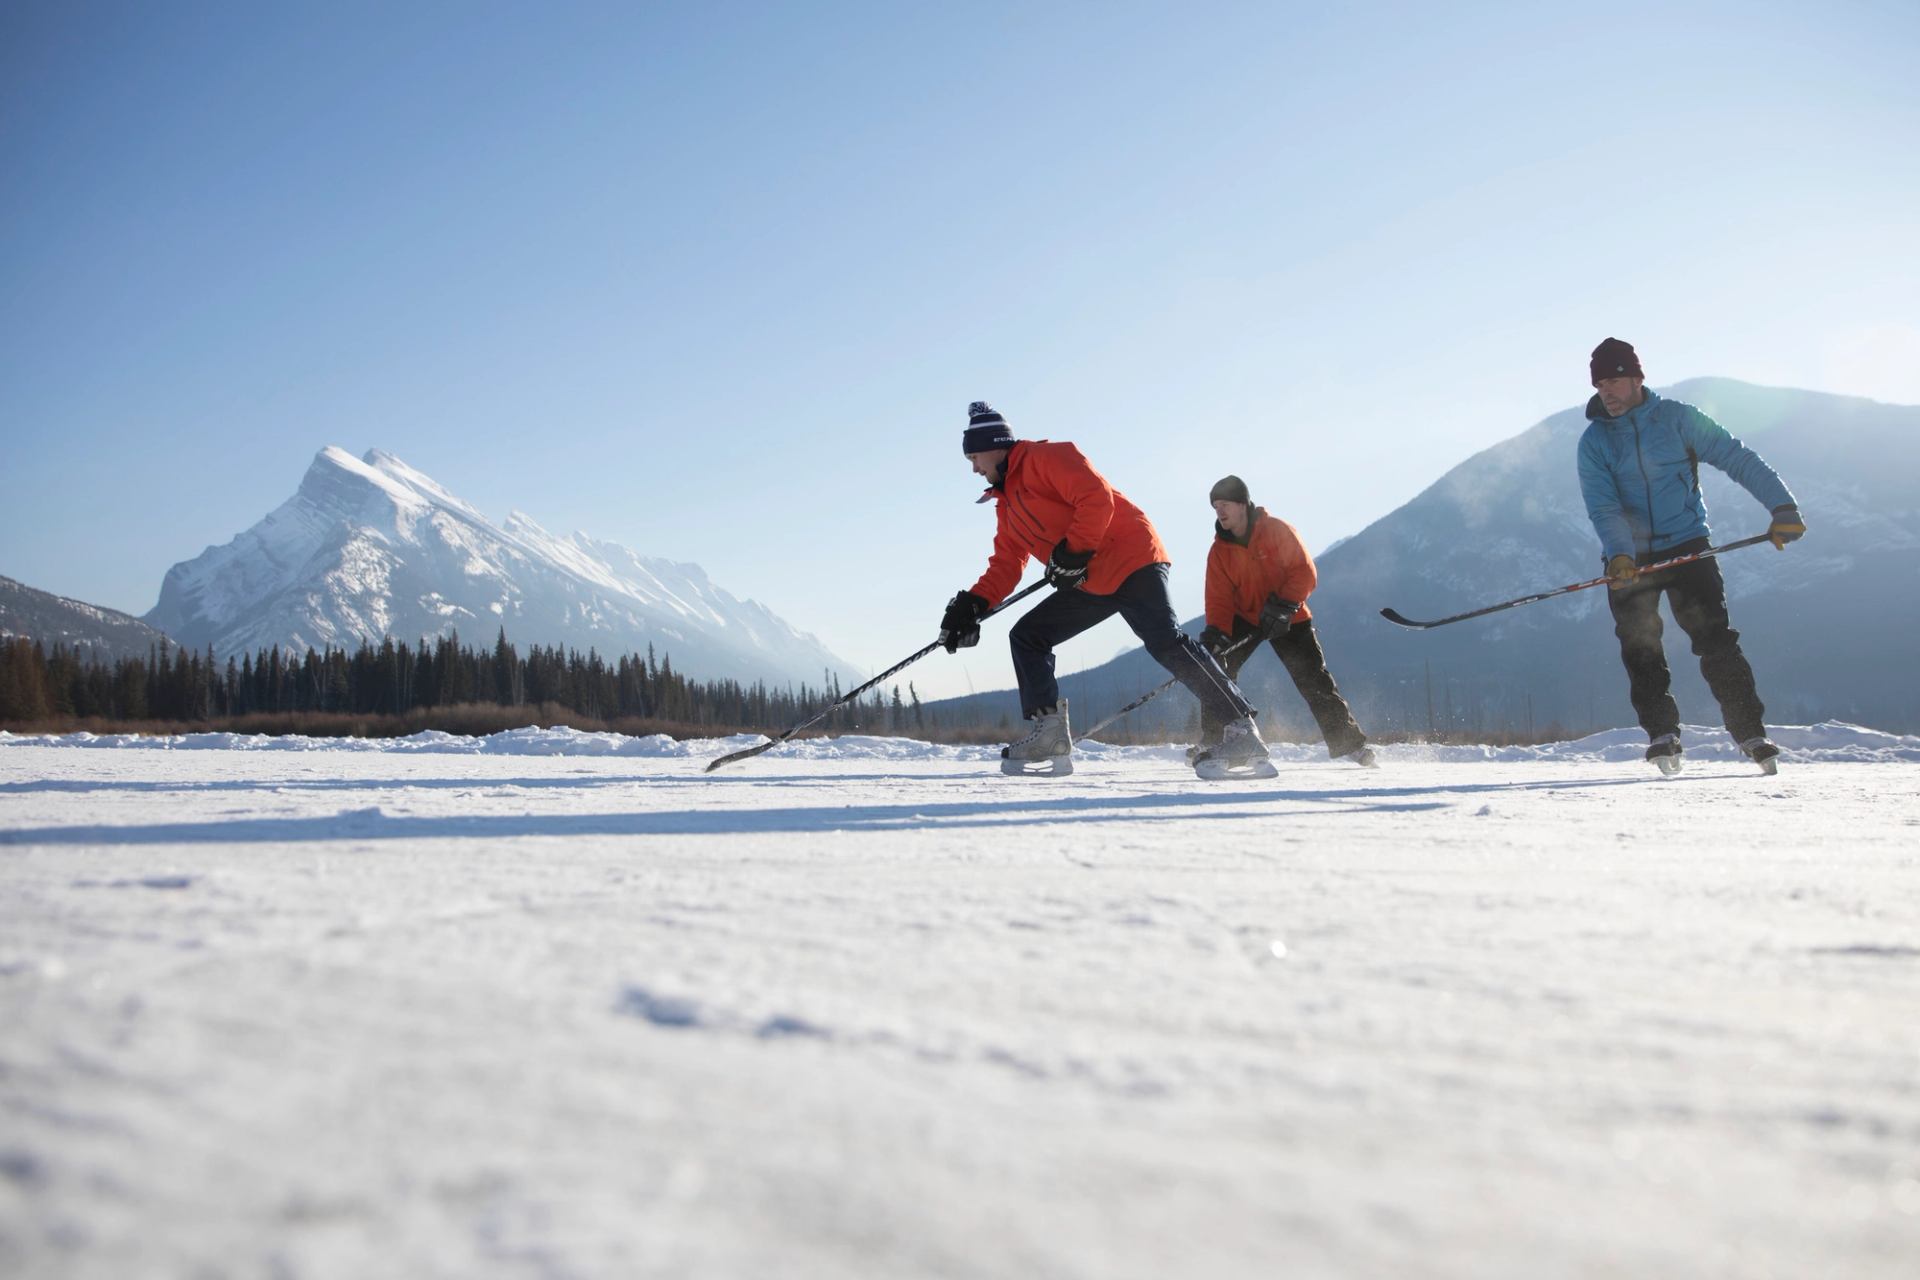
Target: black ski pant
1143,601
1298,649
1698,597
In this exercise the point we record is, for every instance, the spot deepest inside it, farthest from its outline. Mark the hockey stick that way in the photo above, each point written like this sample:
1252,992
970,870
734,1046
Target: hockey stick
1155,692
1394,616
845,698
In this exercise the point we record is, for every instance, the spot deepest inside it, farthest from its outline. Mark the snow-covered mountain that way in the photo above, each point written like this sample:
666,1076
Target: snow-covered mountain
86,629
1830,624
369,547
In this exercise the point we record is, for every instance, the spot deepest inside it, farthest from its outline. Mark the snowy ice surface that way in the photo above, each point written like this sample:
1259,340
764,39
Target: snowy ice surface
1831,742
558,1004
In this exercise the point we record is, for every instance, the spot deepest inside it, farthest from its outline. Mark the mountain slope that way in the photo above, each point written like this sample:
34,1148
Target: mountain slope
88,630
369,547
1829,624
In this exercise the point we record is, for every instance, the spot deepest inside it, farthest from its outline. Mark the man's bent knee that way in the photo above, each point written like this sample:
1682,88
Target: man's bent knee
1719,640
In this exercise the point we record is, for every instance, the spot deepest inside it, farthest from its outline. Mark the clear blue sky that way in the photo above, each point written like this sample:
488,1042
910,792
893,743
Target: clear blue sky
717,281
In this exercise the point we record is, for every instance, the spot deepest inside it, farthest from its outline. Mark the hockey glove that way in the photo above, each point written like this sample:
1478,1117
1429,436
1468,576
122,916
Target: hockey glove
1787,527
1067,568
1621,572
1215,641
960,624
1277,617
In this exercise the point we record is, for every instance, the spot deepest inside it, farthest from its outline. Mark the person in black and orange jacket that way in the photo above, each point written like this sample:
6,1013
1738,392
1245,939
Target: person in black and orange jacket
1259,576
1103,557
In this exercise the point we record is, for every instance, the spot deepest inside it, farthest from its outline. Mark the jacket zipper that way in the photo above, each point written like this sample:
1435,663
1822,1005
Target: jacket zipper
1034,528
1646,482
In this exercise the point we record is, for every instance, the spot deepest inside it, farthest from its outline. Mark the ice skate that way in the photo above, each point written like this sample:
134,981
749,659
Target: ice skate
1046,751
1664,752
1364,757
1199,749
1764,753
1238,755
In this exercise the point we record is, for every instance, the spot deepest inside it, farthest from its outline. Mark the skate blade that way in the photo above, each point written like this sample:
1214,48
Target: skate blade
1669,766
1221,771
1046,767
1769,766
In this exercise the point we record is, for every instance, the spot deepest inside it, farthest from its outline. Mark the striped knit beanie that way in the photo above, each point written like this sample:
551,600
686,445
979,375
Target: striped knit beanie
986,430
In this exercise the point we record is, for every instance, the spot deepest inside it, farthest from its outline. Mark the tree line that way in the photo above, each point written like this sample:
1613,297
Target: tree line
396,680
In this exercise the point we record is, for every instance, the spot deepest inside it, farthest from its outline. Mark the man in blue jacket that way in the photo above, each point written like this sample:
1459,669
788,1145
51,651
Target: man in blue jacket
1640,475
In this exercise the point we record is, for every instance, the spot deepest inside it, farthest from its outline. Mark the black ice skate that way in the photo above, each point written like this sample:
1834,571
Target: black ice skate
1764,753
1664,751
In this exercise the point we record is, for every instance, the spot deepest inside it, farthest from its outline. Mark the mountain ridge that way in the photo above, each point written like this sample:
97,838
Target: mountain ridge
88,630
370,547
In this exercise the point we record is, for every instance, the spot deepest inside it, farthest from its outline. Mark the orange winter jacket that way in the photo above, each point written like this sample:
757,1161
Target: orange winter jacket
1241,575
1052,492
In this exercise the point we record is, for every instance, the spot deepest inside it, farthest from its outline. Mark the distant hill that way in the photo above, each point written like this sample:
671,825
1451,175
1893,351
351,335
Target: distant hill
369,547
89,631
1830,624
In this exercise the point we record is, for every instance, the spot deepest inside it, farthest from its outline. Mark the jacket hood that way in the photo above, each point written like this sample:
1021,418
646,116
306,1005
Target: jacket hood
1597,412
999,486
1254,516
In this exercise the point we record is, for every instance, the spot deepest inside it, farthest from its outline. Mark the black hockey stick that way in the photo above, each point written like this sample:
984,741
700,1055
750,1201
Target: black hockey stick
1394,616
1157,690
845,698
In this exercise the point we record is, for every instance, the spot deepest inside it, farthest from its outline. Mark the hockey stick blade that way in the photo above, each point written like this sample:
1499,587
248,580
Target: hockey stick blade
748,754
1394,616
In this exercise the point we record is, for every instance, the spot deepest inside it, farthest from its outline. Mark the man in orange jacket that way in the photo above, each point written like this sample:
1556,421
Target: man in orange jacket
1259,576
1102,557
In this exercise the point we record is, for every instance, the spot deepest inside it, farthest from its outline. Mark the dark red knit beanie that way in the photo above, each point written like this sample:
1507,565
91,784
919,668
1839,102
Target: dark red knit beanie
1615,359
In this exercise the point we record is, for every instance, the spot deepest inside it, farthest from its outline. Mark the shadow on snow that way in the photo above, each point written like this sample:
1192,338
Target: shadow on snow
1003,809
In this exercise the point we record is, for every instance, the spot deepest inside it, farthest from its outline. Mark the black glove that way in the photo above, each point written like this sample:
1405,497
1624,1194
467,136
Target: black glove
960,624
1215,641
1067,568
1787,527
1277,617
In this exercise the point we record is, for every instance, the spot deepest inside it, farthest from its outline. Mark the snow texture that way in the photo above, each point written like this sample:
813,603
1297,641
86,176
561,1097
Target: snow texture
561,1004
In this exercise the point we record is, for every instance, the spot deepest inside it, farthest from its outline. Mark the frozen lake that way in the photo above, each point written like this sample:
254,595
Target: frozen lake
572,1008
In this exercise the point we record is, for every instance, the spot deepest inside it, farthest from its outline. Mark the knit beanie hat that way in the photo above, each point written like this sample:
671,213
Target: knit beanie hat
1228,489
986,430
1615,359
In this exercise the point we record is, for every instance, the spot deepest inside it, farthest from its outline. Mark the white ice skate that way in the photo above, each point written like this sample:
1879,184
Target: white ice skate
1238,755
1364,757
1046,751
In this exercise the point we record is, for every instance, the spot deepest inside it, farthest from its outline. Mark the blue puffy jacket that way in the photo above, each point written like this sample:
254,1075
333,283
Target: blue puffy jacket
1640,474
